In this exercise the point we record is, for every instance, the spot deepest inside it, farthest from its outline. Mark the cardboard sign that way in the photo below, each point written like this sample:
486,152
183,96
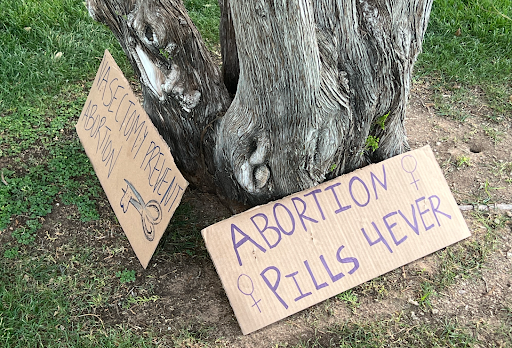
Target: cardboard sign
132,161
282,257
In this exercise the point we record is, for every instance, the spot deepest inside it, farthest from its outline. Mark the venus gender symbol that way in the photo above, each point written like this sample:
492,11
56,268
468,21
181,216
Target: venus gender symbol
409,165
245,286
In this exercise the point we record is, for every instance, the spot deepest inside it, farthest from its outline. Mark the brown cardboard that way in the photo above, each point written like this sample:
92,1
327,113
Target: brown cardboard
132,161
316,245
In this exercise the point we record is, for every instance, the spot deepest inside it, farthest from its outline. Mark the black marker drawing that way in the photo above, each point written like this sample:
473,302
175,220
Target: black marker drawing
150,213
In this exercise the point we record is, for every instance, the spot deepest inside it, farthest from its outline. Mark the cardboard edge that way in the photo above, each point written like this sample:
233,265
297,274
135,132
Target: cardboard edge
151,124
224,285
350,173
466,233
108,55
245,332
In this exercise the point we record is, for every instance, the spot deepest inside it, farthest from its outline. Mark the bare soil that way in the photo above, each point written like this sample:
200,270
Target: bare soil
476,157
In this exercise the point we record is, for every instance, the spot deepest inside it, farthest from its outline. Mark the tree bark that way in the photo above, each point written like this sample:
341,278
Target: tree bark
183,90
229,51
313,79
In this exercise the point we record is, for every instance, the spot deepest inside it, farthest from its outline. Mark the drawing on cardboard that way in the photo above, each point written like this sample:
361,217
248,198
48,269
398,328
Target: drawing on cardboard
244,289
150,213
131,159
409,165
282,257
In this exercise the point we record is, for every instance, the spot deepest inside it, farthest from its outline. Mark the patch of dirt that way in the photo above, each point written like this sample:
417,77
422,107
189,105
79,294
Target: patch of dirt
476,157
481,299
476,168
475,154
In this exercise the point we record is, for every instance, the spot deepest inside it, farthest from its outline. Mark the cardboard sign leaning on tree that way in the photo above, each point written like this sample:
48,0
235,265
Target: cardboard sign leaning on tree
277,259
132,161
282,257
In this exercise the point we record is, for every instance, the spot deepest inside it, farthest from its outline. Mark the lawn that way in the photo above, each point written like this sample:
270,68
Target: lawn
66,272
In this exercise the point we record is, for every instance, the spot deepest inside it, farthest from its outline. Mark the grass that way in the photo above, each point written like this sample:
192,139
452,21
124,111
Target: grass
49,53
465,259
44,303
393,332
48,163
205,14
482,51
32,33
480,54
48,304
39,95
463,161
182,235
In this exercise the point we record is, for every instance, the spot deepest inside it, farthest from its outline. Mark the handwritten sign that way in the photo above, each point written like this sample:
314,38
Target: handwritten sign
282,257
132,161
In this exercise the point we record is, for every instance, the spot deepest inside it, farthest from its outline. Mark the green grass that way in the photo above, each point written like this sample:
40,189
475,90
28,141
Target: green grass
205,14
483,51
393,331
54,166
466,259
481,55
40,97
182,235
47,301
31,35
43,304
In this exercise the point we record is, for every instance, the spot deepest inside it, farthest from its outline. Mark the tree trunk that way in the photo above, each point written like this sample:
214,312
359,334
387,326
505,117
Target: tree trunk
317,83
229,52
182,88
